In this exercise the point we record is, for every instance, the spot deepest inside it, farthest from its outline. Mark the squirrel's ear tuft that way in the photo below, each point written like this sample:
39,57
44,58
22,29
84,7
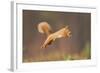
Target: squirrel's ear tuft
67,26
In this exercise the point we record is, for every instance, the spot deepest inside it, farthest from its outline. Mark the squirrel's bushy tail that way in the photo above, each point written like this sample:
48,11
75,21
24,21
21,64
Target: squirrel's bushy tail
45,28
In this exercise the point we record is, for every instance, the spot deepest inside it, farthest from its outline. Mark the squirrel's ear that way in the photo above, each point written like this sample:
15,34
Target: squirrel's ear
67,26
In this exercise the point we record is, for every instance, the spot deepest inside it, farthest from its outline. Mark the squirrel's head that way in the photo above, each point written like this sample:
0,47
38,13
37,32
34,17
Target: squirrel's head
67,32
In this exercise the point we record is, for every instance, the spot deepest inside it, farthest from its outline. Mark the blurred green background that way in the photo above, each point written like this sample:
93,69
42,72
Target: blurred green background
78,47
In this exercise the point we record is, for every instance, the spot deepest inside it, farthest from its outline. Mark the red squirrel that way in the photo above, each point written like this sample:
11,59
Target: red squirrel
45,28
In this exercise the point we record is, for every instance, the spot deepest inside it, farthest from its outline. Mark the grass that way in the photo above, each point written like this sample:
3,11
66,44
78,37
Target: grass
58,55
